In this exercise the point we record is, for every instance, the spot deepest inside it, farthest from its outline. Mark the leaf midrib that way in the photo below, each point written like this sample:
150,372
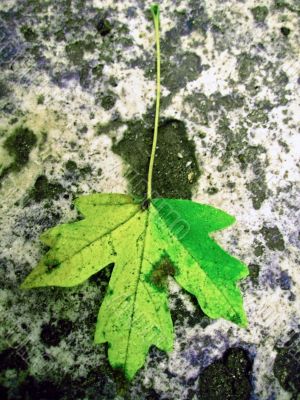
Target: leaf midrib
136,287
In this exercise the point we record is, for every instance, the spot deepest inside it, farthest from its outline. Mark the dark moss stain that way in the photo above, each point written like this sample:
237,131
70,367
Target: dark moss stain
227,378
108,100
273,238
212,190
53,332
29,34
19,145
13,358
74,173
97,71
40,99
287,365
44,190
176,169
285,31
260,13
280,3
85,170
71,166
103,26
84,74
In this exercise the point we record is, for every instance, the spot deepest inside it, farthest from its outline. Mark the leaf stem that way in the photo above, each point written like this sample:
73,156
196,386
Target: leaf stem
155,14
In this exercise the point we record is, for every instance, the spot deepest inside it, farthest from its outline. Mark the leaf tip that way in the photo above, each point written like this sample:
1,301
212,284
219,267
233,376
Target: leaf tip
241,319
26,284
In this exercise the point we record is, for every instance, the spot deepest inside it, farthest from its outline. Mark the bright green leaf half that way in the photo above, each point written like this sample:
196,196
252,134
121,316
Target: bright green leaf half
140,242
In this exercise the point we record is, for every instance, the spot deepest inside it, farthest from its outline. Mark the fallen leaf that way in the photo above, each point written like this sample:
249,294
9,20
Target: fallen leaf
140,238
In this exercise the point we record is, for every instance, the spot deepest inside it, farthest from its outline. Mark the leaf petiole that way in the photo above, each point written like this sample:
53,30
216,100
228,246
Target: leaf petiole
155,14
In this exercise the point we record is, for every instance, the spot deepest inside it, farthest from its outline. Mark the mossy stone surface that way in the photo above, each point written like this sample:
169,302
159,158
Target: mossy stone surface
75,51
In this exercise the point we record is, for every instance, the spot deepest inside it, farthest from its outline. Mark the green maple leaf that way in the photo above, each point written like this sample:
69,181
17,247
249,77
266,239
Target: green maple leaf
146,240
134,314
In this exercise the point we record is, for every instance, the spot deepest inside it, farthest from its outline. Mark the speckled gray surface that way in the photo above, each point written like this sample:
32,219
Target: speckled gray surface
77,90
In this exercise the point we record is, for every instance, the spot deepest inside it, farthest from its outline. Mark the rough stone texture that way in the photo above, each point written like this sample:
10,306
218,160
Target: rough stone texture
77,91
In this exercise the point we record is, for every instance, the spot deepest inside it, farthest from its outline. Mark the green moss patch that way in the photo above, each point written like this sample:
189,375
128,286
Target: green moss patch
260,13
247,64
75,51
40,99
